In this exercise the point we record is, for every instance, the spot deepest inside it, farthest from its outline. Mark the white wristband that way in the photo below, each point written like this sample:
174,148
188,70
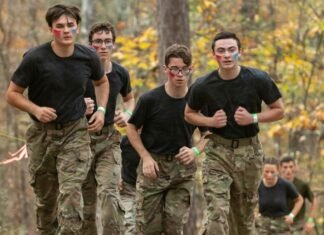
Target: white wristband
102,109
255,118
291,215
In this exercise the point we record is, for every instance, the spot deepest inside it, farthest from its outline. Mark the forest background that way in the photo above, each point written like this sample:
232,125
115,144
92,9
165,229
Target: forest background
282,37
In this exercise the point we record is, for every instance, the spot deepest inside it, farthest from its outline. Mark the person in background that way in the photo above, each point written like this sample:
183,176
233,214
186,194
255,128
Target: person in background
302,224
127,186
58,142
274,193
232,95
104,175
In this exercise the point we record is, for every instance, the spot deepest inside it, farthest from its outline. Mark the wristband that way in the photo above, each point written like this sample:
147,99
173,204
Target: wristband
292,216
196,151
255,118
129,112
310,220
102,109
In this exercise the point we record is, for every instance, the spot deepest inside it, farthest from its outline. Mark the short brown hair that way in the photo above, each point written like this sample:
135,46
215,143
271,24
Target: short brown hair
287,159
225,35
56,11
178,51
100,27
271,161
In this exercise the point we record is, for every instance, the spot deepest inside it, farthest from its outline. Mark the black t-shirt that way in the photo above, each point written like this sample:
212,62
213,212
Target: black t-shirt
162,117
58,82
273,201
247,90
130,161
304,190
119,82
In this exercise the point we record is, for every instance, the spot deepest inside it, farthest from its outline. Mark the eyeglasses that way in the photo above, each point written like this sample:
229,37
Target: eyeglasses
175,70
107,42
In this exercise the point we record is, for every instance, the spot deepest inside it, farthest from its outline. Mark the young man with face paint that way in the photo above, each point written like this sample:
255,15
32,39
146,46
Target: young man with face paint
58,142
104,174
167,167
301,225
274,192
234,156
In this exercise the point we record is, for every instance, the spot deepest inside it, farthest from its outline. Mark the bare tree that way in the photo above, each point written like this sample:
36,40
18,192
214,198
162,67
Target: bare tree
88,16
173,25
16,37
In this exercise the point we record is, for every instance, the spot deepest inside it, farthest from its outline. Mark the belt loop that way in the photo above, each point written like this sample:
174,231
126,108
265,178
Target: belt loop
169,158
98,133
58,126
235,144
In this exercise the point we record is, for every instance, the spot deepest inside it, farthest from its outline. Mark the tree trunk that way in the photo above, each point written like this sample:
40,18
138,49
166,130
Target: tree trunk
173,26
88,16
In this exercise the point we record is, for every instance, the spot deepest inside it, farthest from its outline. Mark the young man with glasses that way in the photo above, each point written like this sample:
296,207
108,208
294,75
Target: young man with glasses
58,143
167,167
234,156
104,174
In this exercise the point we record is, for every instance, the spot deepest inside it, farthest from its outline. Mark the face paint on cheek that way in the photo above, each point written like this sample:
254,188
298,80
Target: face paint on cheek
171,75
74,30
57,32
236,56
219,58
109,46
93,48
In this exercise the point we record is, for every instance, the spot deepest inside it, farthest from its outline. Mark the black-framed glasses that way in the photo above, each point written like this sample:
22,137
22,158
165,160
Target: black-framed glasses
107,42
175,70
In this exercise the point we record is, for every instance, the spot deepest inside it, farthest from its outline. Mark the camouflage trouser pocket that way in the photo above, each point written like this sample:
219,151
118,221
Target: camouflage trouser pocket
115,146
266,225
187,170
36,149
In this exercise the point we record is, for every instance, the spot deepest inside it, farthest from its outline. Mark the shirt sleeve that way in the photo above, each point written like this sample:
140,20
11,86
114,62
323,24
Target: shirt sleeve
308,193
126,88
97,69
292,192
194,100
140,113
25,72
268,90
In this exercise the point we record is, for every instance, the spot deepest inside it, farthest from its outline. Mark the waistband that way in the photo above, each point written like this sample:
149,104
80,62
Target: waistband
164,157
273,217
55,126
105,130
232,143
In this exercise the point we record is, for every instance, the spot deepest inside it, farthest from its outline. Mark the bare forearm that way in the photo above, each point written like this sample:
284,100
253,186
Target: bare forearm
102,93
196,118
312,210
19,101
271,115
298,205
275,112
136,141
129,105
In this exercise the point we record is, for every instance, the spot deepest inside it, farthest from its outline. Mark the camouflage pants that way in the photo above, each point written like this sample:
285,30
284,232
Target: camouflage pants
102,183
127,199
166,199
60,159
297,228
232,173
270,226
